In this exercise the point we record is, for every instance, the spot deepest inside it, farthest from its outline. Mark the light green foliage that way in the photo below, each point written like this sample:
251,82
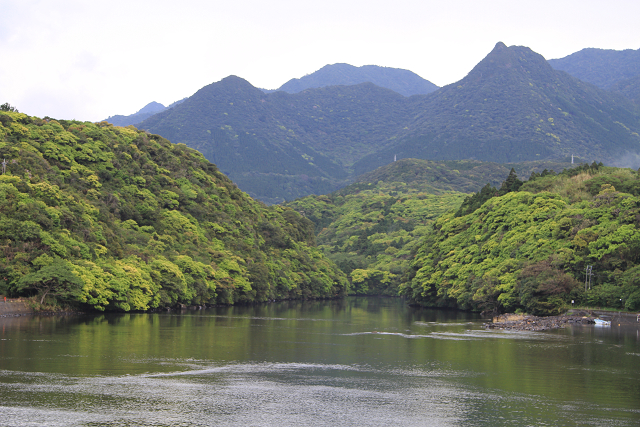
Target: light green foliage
111,218
529,250
373,230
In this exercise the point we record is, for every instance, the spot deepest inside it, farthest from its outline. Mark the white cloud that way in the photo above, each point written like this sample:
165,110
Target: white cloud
89,60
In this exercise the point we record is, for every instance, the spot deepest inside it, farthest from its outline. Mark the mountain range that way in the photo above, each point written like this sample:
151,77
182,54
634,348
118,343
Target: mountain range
610,69
404,82
512,107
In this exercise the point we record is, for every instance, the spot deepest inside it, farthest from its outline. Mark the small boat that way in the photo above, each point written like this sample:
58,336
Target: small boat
600,322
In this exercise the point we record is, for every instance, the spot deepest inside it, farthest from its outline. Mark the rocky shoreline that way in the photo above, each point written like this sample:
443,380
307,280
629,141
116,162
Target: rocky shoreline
519,322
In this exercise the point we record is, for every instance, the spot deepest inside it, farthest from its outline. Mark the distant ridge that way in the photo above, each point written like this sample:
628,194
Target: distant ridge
144,113
404,82
601,67
512,107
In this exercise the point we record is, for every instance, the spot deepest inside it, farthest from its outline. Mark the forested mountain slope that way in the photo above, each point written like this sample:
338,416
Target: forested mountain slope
527,246
601,67
629,87
115,218
281,145
512,107
436,177
404,82
373,228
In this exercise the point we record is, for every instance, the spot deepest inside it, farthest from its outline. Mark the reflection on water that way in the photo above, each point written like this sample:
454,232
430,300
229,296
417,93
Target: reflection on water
362,361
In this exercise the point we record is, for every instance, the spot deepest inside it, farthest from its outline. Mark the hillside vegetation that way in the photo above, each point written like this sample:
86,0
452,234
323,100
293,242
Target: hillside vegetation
112,218
373,228
527,246
512,107
371,231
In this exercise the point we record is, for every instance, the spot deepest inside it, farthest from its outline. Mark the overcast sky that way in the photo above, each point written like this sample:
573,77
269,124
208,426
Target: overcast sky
90,59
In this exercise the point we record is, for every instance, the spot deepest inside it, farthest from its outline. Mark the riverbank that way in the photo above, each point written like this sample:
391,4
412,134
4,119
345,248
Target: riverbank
521,322
10,307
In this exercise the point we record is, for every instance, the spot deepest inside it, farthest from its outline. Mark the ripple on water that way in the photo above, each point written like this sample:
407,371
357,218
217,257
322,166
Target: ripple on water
286,394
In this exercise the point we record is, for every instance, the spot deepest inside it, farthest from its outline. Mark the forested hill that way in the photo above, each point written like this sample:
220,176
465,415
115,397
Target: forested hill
512,107
373,228
436,177
527,246
113,218
404,82
601,67
280,145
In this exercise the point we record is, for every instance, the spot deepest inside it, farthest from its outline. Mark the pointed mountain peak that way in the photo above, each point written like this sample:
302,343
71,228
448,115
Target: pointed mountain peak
499,46
510,60
151,108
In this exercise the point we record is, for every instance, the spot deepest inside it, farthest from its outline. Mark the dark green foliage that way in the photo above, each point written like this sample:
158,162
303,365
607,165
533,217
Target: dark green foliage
471,203
54,279
512,107
8,107
601,67
140,223
544,288
629,88
512,183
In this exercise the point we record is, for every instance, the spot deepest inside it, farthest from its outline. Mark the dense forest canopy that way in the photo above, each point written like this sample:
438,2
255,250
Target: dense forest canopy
527,246
113,218
373,228
516,245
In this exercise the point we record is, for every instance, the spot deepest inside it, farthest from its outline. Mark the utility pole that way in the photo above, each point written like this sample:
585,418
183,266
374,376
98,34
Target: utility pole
4,166
587,278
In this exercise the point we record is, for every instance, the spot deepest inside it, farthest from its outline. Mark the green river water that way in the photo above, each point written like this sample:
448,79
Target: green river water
352,362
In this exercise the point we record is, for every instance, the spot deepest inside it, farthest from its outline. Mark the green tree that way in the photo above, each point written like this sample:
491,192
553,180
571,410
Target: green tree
7,107
56,279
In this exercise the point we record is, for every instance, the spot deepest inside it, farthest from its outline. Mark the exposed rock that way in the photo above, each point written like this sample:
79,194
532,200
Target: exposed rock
520,322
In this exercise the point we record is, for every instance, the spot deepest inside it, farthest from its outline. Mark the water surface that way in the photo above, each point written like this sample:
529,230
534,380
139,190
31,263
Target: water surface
354,362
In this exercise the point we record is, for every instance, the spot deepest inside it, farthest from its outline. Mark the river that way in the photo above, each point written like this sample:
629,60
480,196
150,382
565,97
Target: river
351,362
